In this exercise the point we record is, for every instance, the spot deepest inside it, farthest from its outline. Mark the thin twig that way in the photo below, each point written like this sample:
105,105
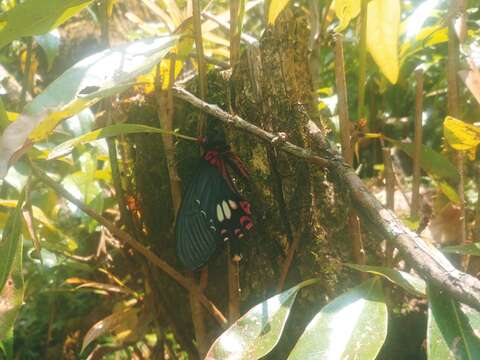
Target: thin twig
417,139
202,71
347,152
362,60
128,239
390,192
456,7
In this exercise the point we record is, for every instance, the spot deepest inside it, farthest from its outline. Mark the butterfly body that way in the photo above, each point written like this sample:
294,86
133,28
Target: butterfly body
212,211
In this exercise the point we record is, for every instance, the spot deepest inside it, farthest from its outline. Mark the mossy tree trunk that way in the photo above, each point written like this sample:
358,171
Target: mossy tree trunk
270,87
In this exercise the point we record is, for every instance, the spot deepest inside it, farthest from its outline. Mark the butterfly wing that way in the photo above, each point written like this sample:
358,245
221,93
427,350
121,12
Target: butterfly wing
210,214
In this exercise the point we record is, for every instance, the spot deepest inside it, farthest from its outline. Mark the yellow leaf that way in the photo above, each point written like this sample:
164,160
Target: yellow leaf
383,26
346,10
276,7
461,135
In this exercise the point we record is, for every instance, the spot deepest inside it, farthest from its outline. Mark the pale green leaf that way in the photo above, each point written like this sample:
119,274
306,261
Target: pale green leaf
432,162
353,326
383,25
33,17
257,332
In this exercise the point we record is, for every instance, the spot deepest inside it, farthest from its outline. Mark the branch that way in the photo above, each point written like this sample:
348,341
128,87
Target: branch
134,244
241,124
429,262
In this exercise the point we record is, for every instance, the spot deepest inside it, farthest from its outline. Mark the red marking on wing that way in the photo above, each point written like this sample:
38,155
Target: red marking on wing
246,222
245,205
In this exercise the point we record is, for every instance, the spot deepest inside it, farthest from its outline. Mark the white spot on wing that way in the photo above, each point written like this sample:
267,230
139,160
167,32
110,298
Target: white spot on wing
220,216
232,204
226,210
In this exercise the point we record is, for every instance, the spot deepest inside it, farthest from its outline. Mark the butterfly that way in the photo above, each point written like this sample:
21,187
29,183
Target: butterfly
212,211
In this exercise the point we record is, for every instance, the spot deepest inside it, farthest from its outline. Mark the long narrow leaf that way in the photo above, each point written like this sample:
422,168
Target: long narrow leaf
90,80
109,131
10,239
11,299
353,326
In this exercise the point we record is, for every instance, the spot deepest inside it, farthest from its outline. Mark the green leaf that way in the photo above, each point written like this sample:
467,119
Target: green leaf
11,296
276,7
50,44
449,332
33,17
100,75
346,10
470,249
414,285
432,162
353,326
109,131
383,26
10,240
257,332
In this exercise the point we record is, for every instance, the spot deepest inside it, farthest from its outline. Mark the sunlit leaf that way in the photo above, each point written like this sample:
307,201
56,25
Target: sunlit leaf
448,191
11,237
109,131
470,249
257,332
383,24
432,162
413,284
449,332
276,7
427,37
353,326
100,75
460,135
109,324
346,10
50,44
33,17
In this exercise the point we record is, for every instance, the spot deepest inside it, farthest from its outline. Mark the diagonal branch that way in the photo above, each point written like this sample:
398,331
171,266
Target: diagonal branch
241,124
428,261
126,238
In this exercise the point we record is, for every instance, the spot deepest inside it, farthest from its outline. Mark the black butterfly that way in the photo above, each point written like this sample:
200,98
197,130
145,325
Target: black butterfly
212,210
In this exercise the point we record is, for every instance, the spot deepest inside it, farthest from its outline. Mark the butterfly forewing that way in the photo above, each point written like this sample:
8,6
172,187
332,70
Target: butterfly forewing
211,213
